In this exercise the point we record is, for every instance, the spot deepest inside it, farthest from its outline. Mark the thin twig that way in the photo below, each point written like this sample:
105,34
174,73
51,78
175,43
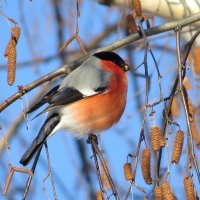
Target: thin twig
50,171
98,172
66,69
29,180
185,52
11,173
76,35
128,192
17,122
142,135
146,45
180,67
141,138
129,189
8,180
93,141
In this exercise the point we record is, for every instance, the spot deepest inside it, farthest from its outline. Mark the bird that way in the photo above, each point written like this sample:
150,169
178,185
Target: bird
90,99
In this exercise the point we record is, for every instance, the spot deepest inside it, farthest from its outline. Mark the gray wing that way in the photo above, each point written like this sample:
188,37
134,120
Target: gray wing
88,78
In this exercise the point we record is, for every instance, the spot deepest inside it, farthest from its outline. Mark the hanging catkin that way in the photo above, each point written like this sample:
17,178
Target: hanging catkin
128,174
189,188
132,27
195,133
166,191
190,109
146,166
157,139
10,54
99,195
196,64
178,146
175,107
157,193
136,4
105,178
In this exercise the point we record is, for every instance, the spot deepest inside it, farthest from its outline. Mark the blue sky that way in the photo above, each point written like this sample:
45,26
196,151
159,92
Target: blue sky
117,142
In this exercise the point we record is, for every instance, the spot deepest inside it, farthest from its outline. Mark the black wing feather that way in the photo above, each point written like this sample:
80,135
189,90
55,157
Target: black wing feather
56,97
44,132
44,100
66,96
101,89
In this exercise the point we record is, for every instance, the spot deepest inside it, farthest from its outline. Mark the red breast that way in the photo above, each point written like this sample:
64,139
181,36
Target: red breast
101,111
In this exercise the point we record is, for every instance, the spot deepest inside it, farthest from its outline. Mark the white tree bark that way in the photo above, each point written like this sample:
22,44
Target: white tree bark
168,9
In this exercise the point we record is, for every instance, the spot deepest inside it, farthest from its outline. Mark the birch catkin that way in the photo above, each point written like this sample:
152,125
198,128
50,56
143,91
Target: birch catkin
190,109
157,140
161,139
195,133
136,4
10,54
16,33
178,146
11,57
105,178
175,107
157,193
154,133
166,191
196,64
99,195
189,188
132,27
146,166
128,174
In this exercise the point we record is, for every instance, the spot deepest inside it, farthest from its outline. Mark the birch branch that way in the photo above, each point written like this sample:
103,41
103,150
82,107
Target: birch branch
66,69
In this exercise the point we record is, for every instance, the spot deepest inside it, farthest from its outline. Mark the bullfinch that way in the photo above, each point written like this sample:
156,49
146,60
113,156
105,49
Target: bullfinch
89,100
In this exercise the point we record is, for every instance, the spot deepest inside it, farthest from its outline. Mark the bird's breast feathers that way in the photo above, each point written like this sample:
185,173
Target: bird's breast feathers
98,112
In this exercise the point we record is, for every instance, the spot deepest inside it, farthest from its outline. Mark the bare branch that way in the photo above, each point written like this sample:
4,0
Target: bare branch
66,69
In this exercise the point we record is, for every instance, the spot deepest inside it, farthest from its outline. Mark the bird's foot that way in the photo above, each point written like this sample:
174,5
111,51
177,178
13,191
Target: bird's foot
92,137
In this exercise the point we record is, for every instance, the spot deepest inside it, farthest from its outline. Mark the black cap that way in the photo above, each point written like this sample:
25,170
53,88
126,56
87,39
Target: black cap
113,57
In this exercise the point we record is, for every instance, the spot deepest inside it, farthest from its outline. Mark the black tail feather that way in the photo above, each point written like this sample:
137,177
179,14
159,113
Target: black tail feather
44,132
30,152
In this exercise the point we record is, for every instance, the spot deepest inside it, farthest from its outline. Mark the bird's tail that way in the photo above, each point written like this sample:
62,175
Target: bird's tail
44,132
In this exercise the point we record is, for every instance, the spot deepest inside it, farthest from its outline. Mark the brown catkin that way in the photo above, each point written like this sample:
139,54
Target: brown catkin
154,133
106,181
157,193
16,33
175,108
190,109
157,140
178,146
196,64
195,133
166,191
105,178
99,195
128,174
132,28
138,8
146,166
186,83
189,188
10,55
161,139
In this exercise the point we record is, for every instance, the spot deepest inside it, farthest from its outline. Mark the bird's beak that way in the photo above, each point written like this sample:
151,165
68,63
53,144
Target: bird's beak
127,67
